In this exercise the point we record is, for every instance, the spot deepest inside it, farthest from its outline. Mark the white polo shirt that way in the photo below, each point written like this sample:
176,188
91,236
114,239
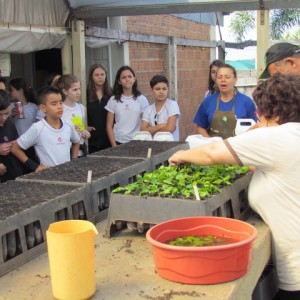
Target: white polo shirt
51,145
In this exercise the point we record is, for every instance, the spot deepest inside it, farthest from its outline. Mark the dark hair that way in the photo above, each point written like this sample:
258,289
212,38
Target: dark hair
279,96
51,79
44,91
65,82
4,100
118,89
2,79
211,84
20,83
227,66
91,88
157,79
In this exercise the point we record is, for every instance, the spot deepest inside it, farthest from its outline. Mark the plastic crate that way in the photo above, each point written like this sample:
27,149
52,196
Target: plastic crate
27,210
231,202
107,174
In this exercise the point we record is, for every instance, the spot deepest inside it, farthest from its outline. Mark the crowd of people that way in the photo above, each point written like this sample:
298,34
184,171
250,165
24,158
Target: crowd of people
53,127
52,131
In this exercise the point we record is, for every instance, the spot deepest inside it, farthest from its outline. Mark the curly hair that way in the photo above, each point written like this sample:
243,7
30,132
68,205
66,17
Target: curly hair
279,96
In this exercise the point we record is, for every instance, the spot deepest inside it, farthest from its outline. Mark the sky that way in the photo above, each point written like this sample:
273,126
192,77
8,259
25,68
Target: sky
239,54
236,54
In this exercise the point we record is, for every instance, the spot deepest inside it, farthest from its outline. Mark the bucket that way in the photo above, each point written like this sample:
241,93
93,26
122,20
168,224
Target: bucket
202,265
71,258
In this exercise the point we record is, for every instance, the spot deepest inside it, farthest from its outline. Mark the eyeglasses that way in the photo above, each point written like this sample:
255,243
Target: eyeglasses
155,119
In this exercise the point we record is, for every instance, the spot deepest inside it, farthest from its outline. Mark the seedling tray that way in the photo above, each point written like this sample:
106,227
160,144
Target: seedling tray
107,174
160,151
27,210
231,202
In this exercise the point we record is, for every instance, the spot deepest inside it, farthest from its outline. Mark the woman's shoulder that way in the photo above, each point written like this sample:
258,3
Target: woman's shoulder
210,99
242,96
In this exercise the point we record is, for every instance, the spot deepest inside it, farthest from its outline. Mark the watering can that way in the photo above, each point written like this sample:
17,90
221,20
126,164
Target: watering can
71,258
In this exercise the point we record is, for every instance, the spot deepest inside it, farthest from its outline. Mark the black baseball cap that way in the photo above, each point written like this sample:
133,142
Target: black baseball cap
278,52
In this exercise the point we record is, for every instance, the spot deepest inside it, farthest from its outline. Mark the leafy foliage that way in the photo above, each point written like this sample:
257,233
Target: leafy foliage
241,23
178,181
281,20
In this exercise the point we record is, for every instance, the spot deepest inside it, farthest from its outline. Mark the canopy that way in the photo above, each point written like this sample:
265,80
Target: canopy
88,9
32,25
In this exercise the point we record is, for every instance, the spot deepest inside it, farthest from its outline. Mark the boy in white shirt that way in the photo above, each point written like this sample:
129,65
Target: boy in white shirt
163,115
51,137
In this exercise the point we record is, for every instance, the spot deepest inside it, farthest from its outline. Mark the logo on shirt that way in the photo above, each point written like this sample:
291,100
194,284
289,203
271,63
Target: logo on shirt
126,107
5,139
60,141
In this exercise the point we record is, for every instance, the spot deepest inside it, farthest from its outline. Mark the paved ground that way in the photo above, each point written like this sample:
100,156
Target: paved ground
125,270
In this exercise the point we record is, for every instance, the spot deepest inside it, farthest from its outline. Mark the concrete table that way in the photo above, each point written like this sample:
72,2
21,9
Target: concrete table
125,270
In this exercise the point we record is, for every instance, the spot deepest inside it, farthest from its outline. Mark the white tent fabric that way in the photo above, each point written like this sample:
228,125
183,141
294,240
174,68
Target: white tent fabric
25,39
32,25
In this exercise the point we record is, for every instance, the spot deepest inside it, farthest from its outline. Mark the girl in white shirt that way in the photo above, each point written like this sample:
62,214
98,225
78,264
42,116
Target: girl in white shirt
74,112
124,108
163,115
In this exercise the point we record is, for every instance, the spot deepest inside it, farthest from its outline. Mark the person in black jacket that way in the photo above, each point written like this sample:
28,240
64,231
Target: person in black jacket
98,94
10,167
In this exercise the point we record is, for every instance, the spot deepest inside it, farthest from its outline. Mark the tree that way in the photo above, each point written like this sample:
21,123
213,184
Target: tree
280,21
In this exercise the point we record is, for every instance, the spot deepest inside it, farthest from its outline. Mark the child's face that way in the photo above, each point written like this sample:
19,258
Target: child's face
13,93
99,76
53,107
126,80
73,93
160,91
3,116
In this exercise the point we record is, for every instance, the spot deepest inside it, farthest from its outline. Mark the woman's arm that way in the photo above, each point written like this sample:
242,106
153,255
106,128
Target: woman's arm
109,128
202,131
211,154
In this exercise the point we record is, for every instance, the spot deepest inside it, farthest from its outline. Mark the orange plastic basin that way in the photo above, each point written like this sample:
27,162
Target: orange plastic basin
202,265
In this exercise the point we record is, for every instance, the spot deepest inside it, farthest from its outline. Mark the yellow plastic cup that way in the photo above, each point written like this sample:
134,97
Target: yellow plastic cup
72,259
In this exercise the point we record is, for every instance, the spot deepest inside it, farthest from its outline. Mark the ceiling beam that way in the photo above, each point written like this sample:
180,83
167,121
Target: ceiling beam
93,9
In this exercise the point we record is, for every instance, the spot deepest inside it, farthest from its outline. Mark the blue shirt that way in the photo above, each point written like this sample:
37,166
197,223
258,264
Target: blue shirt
244,109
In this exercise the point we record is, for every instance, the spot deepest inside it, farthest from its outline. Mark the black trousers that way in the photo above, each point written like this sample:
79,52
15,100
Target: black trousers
287,295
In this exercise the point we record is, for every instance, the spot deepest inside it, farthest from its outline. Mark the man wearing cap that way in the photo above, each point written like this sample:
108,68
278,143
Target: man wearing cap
282,58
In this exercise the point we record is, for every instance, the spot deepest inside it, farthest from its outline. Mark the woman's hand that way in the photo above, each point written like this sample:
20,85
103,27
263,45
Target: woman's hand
85,134
5,148
176,159
90,128
2,169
